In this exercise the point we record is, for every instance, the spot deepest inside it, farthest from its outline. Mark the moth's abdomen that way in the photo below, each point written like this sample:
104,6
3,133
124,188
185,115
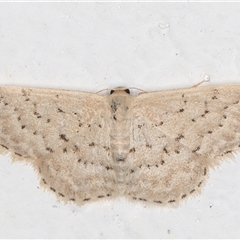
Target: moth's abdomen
120,138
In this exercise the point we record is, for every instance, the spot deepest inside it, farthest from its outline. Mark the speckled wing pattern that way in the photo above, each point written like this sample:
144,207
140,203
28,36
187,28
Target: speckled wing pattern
156,147
64,135
177,136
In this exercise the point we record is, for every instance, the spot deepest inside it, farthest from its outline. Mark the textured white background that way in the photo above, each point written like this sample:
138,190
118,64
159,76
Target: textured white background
91,46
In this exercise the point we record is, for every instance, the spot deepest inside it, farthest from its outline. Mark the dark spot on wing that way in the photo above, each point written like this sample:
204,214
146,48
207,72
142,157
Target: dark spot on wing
195,150
53,189
229,151
180,136
132,150
106,148
23,126
60,194
183,196
65,150
63,137
192,191
121,159
107,167
165,150
92,144
18,154
4,146
86,199
100,196
171,201
76,147
157,201
49,149
60,110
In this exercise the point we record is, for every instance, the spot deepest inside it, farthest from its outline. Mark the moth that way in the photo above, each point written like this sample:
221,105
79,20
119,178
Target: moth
156,147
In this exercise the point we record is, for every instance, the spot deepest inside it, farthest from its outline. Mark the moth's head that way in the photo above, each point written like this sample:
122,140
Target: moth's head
120,90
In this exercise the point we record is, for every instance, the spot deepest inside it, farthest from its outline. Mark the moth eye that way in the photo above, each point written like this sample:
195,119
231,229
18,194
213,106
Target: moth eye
111,92
127,91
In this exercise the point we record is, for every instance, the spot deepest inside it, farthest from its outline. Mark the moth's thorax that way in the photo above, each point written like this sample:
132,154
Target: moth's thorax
120,101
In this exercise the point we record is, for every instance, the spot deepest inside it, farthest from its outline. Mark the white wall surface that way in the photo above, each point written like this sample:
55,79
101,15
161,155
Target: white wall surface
92,46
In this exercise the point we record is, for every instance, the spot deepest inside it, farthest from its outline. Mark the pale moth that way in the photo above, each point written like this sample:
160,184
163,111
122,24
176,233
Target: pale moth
156,147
